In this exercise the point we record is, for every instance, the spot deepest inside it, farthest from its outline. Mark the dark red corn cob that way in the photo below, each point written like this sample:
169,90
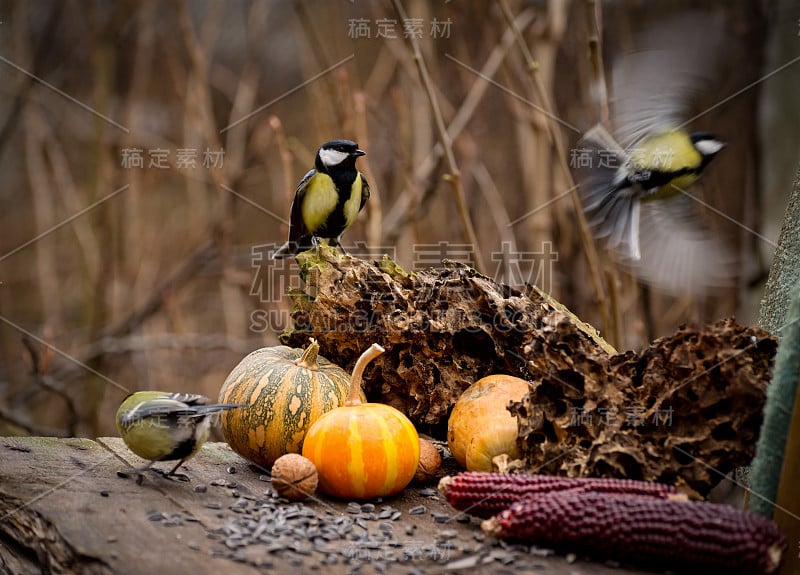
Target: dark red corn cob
486,494
647,531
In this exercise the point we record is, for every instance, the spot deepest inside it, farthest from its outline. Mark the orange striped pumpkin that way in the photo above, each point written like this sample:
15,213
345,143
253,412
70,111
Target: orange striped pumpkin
285,390
363,450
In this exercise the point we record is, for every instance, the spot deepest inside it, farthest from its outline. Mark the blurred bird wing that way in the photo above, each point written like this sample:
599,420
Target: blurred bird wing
297,227
680,253
653,87
599,138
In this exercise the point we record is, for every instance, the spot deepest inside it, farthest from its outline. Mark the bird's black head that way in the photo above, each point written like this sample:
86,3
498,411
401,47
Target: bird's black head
337,155
707,144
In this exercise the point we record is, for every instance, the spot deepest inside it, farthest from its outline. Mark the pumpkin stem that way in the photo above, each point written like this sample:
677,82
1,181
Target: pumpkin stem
309,358
354,395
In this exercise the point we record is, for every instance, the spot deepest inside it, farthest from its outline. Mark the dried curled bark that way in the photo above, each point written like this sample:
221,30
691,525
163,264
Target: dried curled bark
684,411
681,411
443,329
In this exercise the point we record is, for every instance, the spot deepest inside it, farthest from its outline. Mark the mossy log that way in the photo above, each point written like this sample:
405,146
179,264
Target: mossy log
685,410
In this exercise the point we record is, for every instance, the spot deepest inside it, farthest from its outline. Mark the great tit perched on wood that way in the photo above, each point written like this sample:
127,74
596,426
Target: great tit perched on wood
328,198
635,190
162,426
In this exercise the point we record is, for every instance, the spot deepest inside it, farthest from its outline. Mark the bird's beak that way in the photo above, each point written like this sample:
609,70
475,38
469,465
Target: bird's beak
359,153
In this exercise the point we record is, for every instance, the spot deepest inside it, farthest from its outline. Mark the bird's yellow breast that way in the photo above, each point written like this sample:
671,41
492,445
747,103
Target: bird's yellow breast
321,199
149,438
669,151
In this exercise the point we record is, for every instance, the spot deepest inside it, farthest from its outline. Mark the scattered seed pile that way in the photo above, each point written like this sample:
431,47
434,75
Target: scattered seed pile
270,532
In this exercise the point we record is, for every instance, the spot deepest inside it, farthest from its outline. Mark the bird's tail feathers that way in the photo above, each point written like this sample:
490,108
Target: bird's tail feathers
203,410
294,247
611,206
616,222
286,250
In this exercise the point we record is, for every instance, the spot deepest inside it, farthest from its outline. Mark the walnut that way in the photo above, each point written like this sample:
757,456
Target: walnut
294,477
429,461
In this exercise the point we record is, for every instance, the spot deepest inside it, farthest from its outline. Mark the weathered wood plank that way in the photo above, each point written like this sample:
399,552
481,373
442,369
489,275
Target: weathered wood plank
63,509
52,504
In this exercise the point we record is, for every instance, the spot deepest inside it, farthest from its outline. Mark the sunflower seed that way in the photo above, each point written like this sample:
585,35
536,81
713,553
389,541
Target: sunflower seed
463,563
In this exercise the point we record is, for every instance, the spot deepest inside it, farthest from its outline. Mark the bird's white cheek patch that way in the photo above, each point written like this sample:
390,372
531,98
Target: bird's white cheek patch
709,147
332,157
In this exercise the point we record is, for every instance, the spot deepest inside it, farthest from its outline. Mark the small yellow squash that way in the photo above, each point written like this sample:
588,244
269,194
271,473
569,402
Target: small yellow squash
480,427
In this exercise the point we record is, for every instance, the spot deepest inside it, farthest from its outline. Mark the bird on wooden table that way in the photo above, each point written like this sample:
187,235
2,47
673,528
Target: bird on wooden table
327,200
162,426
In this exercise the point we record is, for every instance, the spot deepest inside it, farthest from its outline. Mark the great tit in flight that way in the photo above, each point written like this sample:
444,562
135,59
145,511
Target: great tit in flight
635,192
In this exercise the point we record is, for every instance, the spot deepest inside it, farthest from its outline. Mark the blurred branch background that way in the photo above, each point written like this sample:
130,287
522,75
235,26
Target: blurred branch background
149,155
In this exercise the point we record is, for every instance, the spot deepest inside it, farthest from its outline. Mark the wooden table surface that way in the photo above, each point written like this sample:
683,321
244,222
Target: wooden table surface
64,509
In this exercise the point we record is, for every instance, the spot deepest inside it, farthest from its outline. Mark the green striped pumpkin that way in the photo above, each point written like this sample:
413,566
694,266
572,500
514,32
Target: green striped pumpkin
285,390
